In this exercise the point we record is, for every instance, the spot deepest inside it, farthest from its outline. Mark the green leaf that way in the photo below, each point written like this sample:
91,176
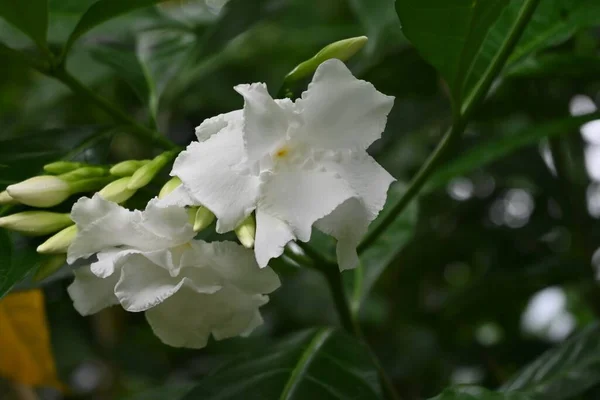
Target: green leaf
451,35
563,372
557,66
477,393
173,391
24,260
30,17
496,149
386,248
102,11
380,23
315,364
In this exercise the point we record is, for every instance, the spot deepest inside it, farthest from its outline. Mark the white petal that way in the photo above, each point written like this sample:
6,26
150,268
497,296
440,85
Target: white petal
101,224
208,171
265,122
238,267
178,197
170,224
109,260
340,111
272,234
143,284
91,294
299,198
186,319
213,125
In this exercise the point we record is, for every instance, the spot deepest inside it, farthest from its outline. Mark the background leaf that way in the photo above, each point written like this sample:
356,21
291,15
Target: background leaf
30,17
477,393
318,364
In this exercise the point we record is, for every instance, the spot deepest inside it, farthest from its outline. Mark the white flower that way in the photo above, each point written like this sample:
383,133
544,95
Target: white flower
147,261
295,163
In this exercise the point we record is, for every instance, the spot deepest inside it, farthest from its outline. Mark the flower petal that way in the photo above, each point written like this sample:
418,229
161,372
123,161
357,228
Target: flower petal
208,172
272,234
237,266
170,224
91,294
265,122
301,197
213,125
102,224
110,260
143,284
340,111
178,197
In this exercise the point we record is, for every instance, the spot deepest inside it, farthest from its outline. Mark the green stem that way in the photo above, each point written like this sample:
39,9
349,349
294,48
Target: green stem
459,125
136,128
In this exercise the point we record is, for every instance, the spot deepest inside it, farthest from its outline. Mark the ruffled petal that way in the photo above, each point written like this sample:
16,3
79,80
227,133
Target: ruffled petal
237,266
272,234
213,125
210,174
265,122
340,111
178,197
301,197
110,260
143,284
101,224
169,224
90,293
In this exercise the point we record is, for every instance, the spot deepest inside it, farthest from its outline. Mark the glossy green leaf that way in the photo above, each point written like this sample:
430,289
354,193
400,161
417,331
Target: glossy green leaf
563,372
30,17
380,23
496,149
386,248
316,364
477,393
451,35
557,66
102,11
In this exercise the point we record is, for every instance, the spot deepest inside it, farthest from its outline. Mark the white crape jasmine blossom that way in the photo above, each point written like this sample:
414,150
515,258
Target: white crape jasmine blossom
295,164
148,261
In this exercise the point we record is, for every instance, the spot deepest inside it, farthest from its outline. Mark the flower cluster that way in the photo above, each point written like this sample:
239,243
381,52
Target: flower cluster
271,172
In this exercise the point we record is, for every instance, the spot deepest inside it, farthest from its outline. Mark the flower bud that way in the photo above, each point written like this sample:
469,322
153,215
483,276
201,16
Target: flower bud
203,218
36,223
49,266
83,173
61,167
40,191
168,187
246,231
127,168
117,191
60,242
6,199
342,50
147,172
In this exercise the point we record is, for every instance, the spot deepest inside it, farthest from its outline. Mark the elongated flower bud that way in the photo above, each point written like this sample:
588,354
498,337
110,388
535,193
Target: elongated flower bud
84,173
127,168
246,231
49,266
60,242
6,199
36,223
342,50
40,191
203,218
117,191
147,172
61,167
168,187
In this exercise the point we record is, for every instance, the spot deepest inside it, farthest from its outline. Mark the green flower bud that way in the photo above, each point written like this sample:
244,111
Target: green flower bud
127,168
342,50
40,191
83,173
36,223
49,266
61,167
60,242
168,187
90,185
203,218
117,191
147,172
6,199
246,231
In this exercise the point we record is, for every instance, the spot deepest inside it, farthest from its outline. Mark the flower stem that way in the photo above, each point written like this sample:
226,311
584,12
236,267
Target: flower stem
471,102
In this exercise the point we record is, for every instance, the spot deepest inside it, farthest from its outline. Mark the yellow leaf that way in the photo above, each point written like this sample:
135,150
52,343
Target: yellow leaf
25,353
